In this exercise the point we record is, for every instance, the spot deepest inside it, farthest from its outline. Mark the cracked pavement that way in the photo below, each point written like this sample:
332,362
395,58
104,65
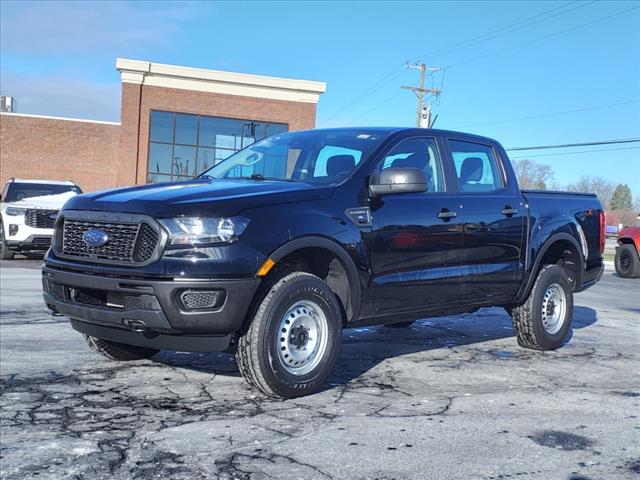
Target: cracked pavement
451,397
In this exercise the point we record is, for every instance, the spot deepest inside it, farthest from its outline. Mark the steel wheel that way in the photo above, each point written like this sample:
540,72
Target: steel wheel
302,337
554,308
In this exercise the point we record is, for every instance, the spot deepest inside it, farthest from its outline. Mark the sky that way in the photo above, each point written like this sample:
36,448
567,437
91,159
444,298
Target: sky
525,73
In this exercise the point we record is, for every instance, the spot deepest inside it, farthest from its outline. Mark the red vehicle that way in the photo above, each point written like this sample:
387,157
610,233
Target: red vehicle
627,258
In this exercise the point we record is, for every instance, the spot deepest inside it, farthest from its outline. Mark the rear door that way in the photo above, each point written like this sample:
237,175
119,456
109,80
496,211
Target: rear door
494,222
416,238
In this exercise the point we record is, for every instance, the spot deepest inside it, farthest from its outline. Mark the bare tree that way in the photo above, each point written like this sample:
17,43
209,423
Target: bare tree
626,217
533,175
602,187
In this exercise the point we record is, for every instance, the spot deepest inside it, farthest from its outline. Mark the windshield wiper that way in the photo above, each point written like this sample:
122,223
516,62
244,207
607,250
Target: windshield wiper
259,177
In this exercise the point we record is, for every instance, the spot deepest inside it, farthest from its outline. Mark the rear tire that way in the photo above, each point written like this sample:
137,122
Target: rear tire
627,261
544,320
5,253
118,351
293,341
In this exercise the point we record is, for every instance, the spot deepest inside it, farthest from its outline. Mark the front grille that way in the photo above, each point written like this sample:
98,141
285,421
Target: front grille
132,243
40,218
145,244
41,241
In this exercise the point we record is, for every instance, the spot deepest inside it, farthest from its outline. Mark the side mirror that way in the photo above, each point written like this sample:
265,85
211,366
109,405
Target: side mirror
398,180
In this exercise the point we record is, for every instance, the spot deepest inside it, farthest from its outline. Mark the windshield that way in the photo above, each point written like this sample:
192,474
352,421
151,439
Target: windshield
17,191
317,156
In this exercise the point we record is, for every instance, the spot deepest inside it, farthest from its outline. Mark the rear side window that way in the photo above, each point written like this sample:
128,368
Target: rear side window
476,167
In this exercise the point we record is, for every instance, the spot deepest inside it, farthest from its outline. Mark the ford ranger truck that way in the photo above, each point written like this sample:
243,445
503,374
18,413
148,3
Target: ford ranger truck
28,210
275,250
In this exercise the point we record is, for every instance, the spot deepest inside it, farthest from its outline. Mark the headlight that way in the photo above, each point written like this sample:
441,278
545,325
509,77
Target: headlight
13,211
203,230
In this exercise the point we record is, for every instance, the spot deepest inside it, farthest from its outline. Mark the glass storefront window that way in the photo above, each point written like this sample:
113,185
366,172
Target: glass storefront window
182,146
162,127
186,129
160,158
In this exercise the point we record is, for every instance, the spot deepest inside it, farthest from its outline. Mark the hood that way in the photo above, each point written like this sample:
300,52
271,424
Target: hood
46,202
197,197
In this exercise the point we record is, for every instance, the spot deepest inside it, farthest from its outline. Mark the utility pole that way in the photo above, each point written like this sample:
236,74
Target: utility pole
423,111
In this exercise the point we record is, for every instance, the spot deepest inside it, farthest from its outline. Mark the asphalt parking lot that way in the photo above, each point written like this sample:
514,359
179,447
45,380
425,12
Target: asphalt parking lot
448,398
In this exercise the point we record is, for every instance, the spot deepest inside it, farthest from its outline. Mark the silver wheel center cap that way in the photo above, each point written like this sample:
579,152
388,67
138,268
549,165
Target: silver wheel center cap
554,307
301,339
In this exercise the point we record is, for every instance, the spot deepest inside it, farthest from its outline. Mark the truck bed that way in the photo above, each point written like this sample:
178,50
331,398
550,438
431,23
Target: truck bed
558,192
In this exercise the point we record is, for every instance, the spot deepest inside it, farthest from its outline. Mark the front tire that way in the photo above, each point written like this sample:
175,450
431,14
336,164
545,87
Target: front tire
5,253
544,320
118,351
627,261
293,341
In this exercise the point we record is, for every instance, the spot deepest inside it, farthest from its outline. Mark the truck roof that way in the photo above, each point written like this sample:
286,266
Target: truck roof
422,131
49,182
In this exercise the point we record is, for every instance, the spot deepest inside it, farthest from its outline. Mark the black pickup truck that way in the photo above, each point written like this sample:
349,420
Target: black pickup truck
275,250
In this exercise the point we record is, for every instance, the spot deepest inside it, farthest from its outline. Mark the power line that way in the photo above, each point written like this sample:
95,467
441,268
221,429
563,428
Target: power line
384,102
505,30
392,75
573,153
385,80
570,145
545,115
601,19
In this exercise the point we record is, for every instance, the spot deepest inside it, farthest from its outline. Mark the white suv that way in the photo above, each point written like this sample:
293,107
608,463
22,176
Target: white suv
28,210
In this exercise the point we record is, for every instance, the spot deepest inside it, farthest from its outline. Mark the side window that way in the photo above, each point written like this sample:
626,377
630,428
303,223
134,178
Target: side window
333,155
476,167
419,153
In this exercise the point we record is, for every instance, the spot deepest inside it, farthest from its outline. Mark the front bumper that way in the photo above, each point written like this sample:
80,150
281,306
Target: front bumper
31,243
148,312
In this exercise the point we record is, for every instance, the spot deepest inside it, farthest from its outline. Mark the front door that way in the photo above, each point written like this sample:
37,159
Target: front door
494,224
415,238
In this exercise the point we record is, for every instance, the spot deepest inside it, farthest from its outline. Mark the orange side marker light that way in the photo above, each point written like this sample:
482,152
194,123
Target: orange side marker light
266,267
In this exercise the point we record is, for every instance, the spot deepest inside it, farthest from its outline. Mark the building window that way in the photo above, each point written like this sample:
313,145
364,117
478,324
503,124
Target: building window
182,146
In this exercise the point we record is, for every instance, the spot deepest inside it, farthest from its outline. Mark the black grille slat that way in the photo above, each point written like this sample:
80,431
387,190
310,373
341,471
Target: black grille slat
128,242
40,218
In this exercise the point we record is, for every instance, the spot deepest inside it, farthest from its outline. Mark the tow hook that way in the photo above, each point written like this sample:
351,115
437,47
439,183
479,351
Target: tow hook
53,312
135,325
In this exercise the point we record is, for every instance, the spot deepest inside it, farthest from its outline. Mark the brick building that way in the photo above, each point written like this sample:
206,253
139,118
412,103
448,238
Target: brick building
174,123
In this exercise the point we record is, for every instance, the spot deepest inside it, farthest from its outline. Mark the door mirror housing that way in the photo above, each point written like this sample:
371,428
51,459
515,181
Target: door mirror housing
397,180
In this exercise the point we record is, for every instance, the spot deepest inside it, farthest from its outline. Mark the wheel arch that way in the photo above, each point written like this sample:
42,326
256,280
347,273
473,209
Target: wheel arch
627,241
551,252
346,283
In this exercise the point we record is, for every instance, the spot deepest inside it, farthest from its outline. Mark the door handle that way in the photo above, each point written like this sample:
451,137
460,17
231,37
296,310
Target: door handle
446,214
508,211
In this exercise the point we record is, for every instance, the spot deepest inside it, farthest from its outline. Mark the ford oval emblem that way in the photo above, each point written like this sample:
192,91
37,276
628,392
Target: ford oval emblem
95,237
